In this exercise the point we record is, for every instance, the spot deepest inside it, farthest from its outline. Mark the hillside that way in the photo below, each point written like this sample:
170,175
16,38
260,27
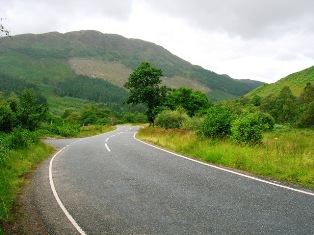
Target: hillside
46,60
296,82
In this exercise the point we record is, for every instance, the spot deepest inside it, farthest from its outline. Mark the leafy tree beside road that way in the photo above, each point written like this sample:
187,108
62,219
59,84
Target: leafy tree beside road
144,86
192,101
24,111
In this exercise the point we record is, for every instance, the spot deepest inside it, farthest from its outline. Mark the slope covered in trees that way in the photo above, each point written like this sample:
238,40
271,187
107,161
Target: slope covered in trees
35,57
93,89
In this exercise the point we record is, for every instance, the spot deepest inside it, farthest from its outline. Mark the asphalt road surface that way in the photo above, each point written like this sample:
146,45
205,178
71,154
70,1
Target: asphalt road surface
115,184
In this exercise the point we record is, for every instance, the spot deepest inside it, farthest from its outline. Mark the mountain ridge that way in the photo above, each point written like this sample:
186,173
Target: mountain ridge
115,49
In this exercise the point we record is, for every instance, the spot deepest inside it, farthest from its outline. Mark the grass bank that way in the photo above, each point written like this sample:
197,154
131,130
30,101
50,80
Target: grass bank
284,155
91,130
13,169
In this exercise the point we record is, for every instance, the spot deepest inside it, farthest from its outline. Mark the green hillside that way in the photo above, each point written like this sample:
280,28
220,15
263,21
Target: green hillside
111,57
296,82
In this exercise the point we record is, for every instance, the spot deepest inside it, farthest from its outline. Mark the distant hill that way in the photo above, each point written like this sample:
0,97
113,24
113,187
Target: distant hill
296,82
107,56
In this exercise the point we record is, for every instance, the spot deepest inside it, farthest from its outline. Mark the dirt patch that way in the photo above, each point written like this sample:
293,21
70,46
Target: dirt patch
113,72
27,220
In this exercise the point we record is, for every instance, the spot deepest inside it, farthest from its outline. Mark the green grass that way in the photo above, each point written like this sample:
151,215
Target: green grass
296,82
284,155
14,166
91,130
34,70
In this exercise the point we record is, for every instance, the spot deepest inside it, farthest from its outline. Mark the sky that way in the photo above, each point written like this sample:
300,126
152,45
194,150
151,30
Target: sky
262,40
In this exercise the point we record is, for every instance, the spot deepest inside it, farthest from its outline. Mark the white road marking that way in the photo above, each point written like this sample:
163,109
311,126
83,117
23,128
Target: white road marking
77,227
229,171
107,147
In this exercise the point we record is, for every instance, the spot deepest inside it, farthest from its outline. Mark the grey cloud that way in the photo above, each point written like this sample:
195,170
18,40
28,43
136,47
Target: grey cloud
245,18
57,14
115,8
118,9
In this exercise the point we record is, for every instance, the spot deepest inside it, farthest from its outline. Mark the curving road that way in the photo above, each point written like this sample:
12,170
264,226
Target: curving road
115,184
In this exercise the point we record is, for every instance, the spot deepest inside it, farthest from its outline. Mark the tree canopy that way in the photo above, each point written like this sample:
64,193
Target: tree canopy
24,110
144,86
192,101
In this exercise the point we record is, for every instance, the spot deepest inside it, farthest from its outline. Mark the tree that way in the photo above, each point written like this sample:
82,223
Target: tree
306,102
286,109
93,114
192,101
144,86
307,96
256,100
307,118
7,117
283,108
31,112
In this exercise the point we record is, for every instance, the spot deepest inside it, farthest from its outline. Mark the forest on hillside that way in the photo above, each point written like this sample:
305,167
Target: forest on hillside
47,55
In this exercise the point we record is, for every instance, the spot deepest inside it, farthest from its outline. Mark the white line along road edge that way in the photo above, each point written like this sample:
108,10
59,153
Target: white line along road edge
77,227
226,170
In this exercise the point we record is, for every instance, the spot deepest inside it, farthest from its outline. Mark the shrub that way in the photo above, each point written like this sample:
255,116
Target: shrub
306,120
65,129
19,138
7,118
267,121
193,124
171,119
247,129
217,122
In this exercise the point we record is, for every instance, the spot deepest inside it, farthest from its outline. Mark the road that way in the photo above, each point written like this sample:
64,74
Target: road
115,184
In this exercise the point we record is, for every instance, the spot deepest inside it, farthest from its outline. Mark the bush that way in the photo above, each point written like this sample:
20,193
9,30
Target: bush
217,122
128,117
306,120
171,119
19,138
247,129
267,121
60,129
7,118
193,124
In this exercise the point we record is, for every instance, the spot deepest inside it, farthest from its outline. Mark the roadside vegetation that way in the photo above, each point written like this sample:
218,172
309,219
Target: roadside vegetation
24,120
283,155
271,136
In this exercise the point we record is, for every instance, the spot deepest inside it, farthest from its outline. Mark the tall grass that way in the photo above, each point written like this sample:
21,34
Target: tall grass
283,155
13,166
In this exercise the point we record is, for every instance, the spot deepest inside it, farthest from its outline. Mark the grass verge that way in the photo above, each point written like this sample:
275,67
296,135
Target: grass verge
284,155
91,130
14,166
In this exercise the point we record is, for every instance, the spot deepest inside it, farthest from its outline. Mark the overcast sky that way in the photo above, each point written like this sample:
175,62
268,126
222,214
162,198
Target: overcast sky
263,40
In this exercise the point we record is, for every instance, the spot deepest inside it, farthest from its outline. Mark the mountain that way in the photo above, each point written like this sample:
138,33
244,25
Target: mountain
296,82
50,58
